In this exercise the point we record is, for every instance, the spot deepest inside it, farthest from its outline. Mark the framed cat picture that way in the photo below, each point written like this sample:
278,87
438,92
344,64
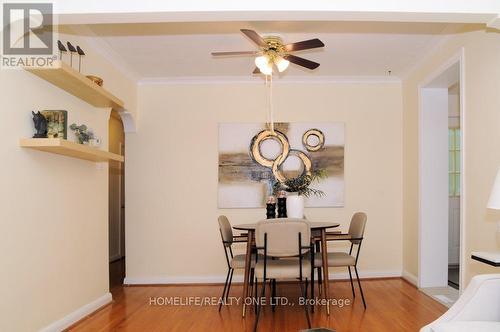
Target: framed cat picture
57,123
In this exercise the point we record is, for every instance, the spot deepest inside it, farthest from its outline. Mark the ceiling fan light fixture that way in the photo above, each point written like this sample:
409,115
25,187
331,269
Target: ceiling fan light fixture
262,61
264,64
273,52
268,70
281,63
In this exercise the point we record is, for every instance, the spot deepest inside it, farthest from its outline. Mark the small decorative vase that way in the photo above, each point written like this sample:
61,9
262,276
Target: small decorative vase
271,208
281,204
295,206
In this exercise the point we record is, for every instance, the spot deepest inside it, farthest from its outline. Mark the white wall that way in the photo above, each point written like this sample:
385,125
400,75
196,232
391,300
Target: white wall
482,143
433,187
171,187
54,209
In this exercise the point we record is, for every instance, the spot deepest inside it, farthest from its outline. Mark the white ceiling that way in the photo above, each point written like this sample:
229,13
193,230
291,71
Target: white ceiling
180,50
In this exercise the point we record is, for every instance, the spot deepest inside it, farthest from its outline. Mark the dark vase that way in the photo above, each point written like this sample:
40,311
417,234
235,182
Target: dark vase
282,205
271,208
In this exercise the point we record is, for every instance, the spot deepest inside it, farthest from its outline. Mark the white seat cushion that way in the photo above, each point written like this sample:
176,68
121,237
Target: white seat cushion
467,326
284,268
238,261
335,259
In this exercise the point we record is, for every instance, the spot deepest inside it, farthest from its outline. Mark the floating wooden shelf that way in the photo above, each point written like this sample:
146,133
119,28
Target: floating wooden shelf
68,79
70,149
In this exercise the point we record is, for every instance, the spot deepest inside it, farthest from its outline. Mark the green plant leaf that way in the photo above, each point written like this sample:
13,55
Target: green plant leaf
301,184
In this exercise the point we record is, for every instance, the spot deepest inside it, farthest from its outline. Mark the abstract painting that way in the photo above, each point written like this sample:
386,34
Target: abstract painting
253,156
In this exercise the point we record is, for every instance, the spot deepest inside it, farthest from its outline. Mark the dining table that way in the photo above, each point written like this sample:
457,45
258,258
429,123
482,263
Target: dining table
320,227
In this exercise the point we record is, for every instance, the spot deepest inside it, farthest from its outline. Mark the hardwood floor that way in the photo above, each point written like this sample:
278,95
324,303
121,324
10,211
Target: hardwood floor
393,305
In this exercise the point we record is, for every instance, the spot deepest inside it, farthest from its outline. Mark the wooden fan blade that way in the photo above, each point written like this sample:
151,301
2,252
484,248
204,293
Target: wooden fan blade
304,45
256,71
234,53
255,37
301,61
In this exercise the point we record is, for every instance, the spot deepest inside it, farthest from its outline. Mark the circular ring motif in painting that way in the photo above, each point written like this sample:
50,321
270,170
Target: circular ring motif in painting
261,137
279,161
313,132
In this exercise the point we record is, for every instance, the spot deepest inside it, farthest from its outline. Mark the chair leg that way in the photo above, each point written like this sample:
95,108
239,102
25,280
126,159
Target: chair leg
259,305
251,282
352,284
229,284
306,306
273,294
359,284
318,269
255,296
320,281
312,290
224,291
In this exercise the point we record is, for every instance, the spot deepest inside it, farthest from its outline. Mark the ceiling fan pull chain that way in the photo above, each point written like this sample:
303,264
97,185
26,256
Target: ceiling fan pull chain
268,115
271,110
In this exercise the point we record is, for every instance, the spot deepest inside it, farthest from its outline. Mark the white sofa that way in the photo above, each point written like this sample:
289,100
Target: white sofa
477,310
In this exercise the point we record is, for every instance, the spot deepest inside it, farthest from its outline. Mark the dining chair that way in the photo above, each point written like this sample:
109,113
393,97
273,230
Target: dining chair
316,235
287,254
233,261
344,259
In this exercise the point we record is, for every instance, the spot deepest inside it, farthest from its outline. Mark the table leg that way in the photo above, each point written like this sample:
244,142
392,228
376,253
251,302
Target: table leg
324,254
248,258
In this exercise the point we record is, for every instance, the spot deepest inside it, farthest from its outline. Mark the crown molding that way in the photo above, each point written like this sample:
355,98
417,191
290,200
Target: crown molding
494,23
259,80
102,48
431,48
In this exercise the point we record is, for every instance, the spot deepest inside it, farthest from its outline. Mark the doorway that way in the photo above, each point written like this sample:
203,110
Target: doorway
116,223
441,192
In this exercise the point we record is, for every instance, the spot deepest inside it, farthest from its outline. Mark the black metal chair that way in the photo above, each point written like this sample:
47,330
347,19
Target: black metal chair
233,261
289,240
339,259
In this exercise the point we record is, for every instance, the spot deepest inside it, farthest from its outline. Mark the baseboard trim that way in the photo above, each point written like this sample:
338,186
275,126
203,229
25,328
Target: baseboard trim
366,274
412,279
78,314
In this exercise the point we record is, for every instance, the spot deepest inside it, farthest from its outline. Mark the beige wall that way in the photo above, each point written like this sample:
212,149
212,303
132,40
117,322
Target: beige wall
171,187
482,143
54,209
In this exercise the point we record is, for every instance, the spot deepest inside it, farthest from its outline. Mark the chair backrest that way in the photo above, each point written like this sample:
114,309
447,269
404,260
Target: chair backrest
357,227
226,231
283,235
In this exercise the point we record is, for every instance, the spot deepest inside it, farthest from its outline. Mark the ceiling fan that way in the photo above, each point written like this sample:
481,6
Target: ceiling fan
272,51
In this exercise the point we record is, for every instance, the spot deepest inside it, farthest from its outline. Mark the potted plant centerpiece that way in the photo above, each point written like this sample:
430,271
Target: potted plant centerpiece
298,188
